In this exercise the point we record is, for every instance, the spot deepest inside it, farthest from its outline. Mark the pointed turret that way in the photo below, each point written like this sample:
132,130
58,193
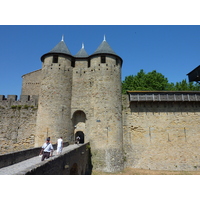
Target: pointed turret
104,48
82,53
60,48
105,72
55,95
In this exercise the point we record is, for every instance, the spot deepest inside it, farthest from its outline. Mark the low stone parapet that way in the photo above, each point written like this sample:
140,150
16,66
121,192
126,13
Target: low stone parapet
75,160
12,158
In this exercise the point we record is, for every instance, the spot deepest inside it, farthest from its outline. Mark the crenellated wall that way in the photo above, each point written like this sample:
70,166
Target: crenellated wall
17,123
12,100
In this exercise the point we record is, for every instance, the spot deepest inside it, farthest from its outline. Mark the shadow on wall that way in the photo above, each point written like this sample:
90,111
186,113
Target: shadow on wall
80,164
88,168
74,169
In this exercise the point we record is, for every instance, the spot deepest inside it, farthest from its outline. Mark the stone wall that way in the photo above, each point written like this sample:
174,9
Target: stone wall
31,83
54,105
96,92
156,135
161,135
17,123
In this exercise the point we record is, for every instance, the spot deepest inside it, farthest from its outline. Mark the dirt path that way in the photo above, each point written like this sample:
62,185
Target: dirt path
131,171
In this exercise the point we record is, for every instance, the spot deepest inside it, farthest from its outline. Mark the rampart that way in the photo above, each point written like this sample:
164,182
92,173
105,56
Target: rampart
12,100
17,122
161,132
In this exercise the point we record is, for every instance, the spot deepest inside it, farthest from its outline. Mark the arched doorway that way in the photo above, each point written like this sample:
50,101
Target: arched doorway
81,135
79,121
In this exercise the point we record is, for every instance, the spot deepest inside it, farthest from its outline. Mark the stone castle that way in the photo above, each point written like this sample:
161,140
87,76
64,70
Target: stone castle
81,95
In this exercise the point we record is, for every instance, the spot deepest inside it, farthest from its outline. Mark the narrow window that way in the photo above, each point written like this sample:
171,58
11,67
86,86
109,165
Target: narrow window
103,59
117,61
73,63
88,63
55,59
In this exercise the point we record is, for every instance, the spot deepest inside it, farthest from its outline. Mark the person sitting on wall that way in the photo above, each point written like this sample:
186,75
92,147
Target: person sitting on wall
47,149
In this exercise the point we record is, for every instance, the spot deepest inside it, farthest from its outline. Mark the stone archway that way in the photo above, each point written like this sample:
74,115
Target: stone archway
79,121
81,135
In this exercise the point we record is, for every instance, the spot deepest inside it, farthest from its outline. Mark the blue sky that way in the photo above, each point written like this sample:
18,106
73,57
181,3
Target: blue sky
171,50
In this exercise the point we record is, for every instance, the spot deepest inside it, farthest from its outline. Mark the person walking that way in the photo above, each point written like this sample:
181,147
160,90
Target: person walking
78,140
47,148
59,145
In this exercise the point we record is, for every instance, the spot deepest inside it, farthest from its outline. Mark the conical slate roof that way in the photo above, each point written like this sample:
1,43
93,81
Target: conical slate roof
82,53
61,47
104,48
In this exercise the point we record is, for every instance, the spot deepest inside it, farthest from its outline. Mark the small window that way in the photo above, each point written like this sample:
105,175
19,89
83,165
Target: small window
103,59
88,63
117,61
73,63
55,59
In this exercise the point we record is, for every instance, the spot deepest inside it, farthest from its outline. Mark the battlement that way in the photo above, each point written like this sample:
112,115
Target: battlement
24,100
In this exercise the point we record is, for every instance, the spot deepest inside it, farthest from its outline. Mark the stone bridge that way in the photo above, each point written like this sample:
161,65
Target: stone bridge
74,160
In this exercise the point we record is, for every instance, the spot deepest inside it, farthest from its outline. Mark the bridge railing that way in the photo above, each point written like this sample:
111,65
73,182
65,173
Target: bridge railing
76,160
15,157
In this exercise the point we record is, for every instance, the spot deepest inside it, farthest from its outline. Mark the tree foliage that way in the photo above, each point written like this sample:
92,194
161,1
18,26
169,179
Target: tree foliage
154,81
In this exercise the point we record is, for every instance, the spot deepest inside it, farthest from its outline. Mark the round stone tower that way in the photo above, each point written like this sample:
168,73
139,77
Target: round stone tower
54,106
106,138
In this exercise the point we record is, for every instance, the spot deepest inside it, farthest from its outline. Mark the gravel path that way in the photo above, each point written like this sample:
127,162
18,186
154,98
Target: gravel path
29,163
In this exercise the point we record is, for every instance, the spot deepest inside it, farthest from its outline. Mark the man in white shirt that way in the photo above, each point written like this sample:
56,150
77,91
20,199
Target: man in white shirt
59,145
47,148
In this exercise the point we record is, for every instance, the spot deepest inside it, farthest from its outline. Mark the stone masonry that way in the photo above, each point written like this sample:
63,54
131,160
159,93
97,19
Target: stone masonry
17,123
80,95
161,135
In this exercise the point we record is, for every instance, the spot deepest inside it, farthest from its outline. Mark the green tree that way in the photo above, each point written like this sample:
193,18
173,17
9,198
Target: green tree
142,81
185,86
154,81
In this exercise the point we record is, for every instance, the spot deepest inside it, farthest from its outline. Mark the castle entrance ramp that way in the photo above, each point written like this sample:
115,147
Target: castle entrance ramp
75,159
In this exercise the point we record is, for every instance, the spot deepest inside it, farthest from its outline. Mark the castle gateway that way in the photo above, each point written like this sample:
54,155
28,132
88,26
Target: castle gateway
80,95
